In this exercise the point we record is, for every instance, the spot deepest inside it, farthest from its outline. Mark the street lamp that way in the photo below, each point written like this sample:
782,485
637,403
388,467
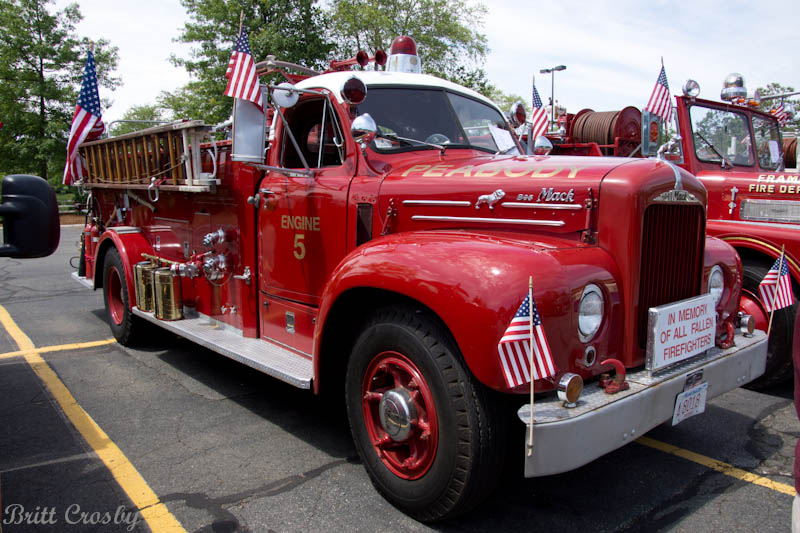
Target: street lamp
552,72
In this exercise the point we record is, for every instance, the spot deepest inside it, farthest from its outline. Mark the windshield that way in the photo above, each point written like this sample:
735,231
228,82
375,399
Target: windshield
719,133
767,142
409,117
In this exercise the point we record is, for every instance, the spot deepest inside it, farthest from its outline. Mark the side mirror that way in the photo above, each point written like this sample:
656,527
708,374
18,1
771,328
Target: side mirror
30,217
364,130
542,146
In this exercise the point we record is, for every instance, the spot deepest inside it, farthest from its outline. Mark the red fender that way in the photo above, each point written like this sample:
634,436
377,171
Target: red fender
131,244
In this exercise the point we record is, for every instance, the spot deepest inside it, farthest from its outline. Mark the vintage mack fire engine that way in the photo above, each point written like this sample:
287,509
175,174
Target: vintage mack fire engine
383,245
753,202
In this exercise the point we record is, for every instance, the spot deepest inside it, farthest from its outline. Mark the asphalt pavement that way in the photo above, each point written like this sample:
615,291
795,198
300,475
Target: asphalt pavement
226,448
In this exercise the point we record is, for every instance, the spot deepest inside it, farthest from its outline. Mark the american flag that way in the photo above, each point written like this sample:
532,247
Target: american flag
241,73
781,114
86,122
515,347
776,289
660,100
539,120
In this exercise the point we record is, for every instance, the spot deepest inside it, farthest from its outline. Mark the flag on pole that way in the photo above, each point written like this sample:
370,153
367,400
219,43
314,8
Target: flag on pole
539,118
87,123
776,287
241,73
515,349
781,114
660,100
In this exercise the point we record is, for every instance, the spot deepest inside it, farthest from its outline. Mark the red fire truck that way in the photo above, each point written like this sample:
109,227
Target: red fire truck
374,236
753,201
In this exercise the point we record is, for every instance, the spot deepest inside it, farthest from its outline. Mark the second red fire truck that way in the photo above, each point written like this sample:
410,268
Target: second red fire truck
375,235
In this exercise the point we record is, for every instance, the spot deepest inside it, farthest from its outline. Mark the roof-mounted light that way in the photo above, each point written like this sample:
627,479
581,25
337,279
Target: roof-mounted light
691,89
354,91
403,56
733,88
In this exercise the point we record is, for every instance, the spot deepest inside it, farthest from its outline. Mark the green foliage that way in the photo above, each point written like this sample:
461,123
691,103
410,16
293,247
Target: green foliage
41,66
448,42
766,105
504,101
151,113
292,30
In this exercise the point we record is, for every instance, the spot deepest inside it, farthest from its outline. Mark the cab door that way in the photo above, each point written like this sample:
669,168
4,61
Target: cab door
302,219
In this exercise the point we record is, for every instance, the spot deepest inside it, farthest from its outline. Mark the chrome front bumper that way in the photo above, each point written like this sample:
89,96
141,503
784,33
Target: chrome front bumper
565,439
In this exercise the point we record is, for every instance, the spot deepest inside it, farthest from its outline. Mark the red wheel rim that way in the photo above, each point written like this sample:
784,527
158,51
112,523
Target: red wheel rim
394,374
115,304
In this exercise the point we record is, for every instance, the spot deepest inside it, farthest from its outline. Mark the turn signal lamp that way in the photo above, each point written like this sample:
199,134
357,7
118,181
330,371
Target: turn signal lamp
570,387
354,91
403,56
691,89
518,115
733,88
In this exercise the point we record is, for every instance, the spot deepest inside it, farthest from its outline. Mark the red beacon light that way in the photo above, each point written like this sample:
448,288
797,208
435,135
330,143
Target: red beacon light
403,56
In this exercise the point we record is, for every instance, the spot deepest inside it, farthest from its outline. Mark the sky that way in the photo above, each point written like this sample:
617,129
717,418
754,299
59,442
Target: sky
612,48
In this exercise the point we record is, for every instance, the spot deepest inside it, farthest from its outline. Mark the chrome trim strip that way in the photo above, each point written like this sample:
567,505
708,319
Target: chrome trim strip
527,222
453,203
711,178
782,225
526,205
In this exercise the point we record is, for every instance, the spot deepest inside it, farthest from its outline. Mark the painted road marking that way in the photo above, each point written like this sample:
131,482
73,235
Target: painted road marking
58,348
153,511
719,466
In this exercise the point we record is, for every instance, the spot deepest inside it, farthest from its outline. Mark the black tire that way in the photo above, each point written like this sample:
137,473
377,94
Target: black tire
124,326
779,350
467,460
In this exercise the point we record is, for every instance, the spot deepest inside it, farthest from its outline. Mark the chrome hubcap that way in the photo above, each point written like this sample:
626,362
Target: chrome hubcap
397,411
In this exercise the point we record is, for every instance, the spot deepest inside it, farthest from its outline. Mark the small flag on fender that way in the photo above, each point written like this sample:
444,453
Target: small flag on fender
515,346
776,287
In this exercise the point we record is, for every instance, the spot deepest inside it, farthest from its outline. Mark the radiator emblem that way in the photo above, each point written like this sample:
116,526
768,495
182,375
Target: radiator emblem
676,195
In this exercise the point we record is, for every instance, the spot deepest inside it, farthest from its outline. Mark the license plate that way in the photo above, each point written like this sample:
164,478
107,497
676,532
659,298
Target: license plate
689,403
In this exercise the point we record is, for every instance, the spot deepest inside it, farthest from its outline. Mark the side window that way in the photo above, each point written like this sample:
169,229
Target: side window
318,135
767,142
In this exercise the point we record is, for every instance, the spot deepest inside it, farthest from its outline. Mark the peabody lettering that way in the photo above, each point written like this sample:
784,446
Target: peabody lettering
490,170
300,223
551,195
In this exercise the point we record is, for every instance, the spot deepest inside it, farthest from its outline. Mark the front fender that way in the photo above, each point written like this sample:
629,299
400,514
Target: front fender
475,283
131,244
769,246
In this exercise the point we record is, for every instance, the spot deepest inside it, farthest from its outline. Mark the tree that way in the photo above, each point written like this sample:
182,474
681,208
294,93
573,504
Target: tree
291,30
448,42
41,65
766,105
150,114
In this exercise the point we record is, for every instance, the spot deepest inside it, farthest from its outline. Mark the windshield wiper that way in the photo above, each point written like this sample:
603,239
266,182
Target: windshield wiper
393,137
723,160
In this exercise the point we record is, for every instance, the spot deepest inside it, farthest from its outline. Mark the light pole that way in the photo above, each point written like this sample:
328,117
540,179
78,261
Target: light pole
552,72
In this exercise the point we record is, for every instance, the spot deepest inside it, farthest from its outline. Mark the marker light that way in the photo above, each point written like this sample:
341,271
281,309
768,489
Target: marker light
691,89
362,58
380,57
403,56
570,387
733,87
354,91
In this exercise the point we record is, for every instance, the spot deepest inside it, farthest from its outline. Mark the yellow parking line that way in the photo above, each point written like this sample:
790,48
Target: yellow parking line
152,510
57,348
719,466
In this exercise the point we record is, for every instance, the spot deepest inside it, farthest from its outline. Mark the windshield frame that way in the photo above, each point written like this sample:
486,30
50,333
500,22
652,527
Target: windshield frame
697,142
445,91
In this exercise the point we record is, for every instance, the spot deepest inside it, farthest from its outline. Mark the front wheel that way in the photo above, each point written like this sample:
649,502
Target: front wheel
428,434
115,295
779,350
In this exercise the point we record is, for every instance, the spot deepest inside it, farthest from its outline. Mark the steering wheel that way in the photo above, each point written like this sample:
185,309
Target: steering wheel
437,138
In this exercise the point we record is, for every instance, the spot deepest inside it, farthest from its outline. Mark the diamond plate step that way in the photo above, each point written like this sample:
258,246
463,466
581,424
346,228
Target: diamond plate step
262,355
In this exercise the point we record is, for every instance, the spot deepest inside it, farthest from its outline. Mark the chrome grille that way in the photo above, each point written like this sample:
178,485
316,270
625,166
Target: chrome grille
673,241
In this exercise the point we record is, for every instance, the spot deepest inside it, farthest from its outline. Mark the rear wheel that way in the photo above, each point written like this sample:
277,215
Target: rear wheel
779,349
115,295
428,434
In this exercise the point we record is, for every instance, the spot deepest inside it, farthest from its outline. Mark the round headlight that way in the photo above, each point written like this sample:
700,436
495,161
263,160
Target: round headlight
590,312
691,89
716,284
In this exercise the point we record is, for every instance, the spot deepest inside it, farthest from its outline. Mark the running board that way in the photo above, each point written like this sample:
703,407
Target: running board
262,355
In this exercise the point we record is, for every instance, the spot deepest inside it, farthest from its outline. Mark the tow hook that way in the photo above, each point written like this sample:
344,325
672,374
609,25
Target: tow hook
617,383
730,333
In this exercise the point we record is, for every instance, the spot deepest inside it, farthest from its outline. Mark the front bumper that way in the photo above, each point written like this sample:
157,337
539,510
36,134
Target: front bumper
565,439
